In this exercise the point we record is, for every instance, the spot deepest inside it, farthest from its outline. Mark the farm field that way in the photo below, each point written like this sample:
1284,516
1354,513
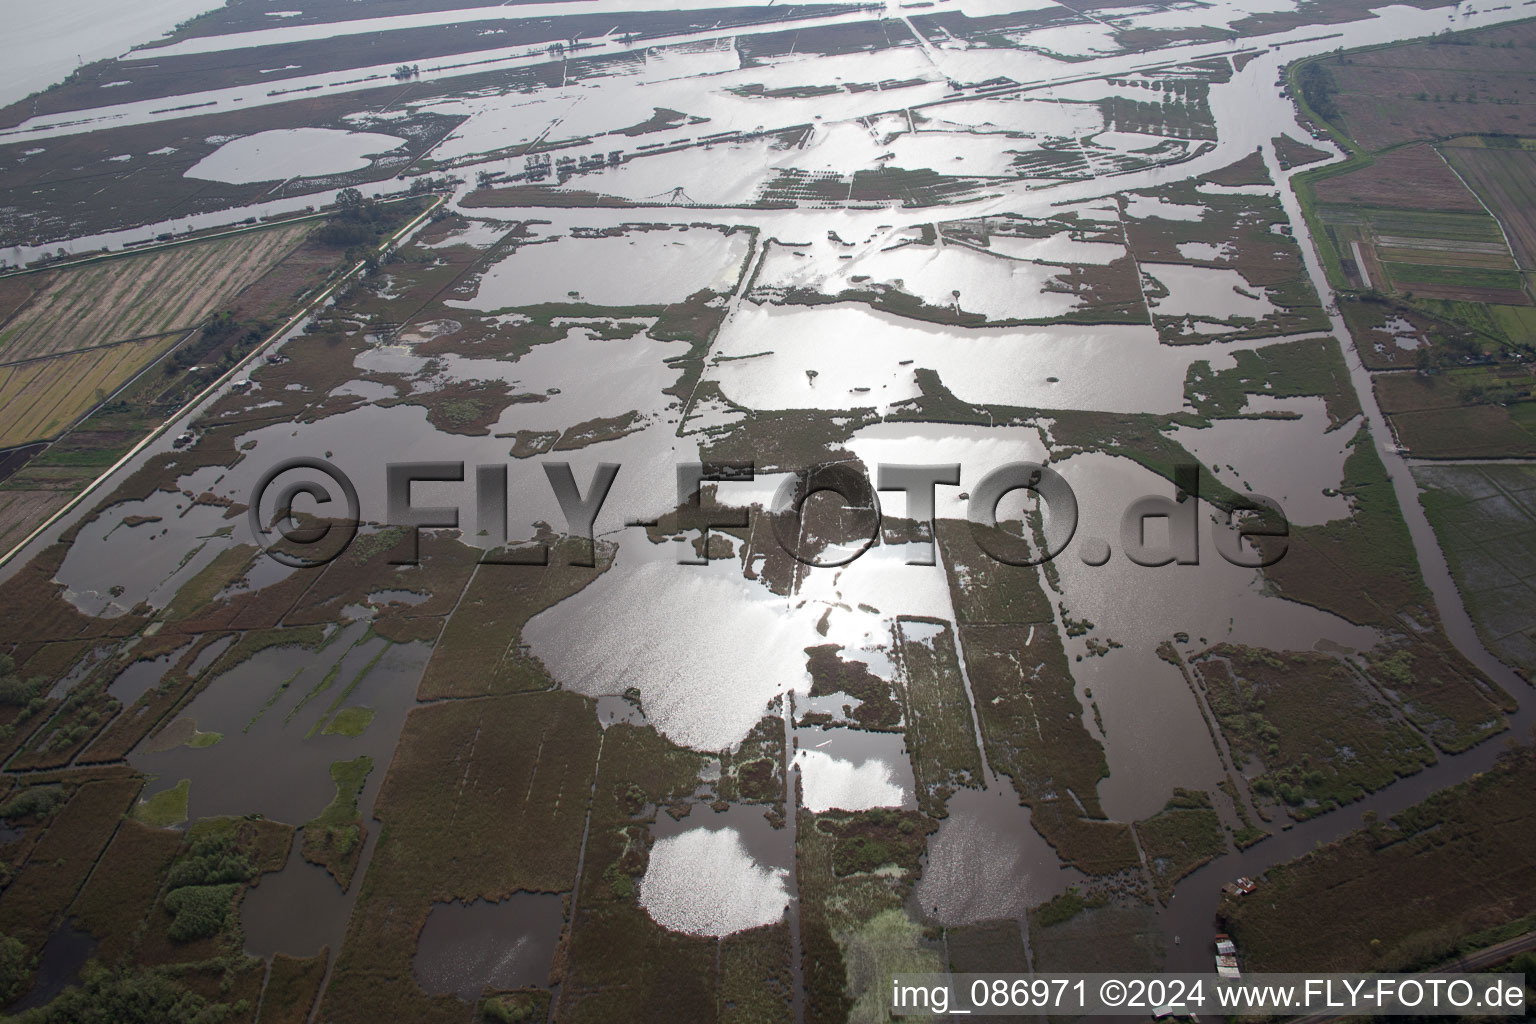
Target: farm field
139,296
41,397
1485,518
1427,231
1505,177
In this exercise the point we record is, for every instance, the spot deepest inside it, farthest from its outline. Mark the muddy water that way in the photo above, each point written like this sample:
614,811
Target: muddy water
987,862
133,681
292,153
267,762
298,910
466,948
58,965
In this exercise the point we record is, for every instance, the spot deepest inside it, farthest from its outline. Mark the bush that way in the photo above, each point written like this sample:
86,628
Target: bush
126,996
14,690
33,802
212,860
14,972
199,911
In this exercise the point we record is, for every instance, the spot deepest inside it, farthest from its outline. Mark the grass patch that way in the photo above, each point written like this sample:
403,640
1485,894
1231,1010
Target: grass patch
1483,519
484,798
349,722
334,838
291,989
1323,737
1312,367
1180,838
166,808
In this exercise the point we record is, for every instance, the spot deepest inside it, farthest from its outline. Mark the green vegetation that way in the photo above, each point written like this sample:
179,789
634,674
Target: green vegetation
334,838
754,771
36,802
1484,520
523,1007
622,963
291,989
199,911
1100,937
121,892
870,840
1241,227
831,675
166,808
352,721
462,820
1354,568
1464,853
481,650
1323,737
1180,838
941,737
1312,367
15,968
1059,909
14,690
1405,226
131,995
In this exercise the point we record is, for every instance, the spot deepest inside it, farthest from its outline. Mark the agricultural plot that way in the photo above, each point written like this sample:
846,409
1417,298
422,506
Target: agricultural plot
143,295
40,398
1472,83
1485,519
84,332
1504,177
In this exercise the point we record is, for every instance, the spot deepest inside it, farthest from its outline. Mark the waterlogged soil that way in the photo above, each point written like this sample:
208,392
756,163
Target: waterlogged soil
703,653
464,949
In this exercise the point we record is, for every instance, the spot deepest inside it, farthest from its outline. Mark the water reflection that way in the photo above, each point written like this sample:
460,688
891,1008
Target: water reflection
988,862
466,948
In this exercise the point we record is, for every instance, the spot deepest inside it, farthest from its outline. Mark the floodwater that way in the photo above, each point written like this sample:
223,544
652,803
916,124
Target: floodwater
987,862
1104,368
132,681
268,762
45,42
1206,292
292,153
299,910
705,882
640,267
465,948
853,769
707,677
1294,461
58,965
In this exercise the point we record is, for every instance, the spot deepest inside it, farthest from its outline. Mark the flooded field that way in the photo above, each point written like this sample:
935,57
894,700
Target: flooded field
604,705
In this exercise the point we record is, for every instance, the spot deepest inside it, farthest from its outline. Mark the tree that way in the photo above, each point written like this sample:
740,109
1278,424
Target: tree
15,690
14,968
128,996
349,199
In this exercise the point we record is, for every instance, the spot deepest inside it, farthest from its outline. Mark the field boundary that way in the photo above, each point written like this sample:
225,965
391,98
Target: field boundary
216,385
